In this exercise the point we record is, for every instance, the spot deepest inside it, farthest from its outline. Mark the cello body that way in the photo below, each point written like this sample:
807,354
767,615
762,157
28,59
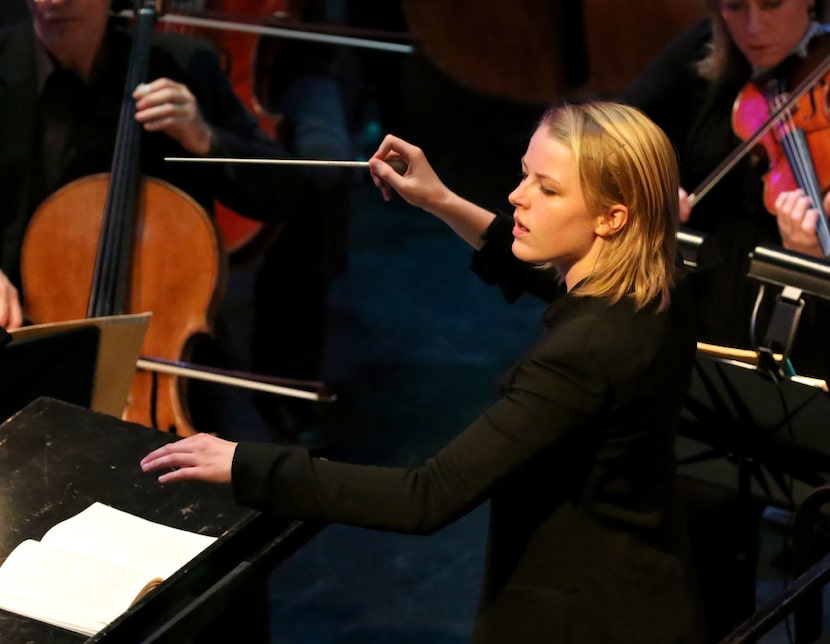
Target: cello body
178,273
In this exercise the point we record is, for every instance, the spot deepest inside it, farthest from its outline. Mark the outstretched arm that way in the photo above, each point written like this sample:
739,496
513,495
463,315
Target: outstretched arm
421,187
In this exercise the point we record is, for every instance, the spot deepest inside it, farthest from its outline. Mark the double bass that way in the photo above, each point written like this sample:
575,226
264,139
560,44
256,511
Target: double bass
120,243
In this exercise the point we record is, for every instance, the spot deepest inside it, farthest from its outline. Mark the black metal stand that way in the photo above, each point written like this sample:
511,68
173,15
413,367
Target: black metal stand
771,429
781,333
803,596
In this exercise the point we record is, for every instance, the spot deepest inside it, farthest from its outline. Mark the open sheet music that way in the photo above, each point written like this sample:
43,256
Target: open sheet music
90,568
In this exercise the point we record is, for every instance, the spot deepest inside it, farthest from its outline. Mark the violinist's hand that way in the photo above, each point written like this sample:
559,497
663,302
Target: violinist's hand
202,457
11,312
685,206
797,222
169,107
419,185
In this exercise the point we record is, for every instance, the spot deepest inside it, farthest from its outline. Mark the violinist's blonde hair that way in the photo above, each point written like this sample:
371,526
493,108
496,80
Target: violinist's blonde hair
723,56
622,157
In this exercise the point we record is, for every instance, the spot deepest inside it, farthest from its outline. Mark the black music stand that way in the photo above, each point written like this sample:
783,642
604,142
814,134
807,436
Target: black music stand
59,365
775,430
796,274
759,440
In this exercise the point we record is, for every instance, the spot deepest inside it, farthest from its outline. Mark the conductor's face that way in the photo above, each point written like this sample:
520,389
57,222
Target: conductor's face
70,28
552,222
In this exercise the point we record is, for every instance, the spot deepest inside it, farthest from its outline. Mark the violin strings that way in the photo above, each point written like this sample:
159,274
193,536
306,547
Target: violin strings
794,143
797,152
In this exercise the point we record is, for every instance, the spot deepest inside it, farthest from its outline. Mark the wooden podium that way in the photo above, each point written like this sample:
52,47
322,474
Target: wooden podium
57,458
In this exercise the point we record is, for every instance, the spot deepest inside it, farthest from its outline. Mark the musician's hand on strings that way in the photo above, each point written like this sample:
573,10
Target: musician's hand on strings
685,206
797,220
203,457
11,312
169,107
419,185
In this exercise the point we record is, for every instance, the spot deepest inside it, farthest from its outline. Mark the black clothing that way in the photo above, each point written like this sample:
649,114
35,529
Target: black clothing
696,115
576,456
87,120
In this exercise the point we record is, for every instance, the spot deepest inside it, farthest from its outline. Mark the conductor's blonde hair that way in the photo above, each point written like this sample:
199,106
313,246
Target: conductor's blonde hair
622,157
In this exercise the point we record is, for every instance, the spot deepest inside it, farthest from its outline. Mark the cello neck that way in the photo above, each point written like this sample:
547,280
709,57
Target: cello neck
108,295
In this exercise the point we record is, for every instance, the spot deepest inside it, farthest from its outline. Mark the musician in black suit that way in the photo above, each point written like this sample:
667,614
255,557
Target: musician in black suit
586,543
62,77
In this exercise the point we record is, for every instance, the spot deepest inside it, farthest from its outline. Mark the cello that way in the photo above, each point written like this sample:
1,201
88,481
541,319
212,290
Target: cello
117,243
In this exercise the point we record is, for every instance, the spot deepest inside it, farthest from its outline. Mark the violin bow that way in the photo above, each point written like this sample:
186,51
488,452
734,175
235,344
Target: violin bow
740,151
253,26
269,384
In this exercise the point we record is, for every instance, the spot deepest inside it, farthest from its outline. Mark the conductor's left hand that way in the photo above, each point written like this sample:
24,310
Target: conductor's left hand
170,107
203,457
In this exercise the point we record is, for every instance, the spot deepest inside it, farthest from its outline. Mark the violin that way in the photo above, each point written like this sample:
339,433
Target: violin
797,143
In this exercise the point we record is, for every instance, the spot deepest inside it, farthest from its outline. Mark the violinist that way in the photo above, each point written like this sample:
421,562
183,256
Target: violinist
689,90
62,78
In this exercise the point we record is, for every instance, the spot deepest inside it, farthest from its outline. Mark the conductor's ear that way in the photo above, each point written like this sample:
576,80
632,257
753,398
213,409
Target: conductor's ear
612,221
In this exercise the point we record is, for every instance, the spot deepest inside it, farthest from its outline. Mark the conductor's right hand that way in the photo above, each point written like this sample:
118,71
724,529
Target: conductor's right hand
419,185
11,312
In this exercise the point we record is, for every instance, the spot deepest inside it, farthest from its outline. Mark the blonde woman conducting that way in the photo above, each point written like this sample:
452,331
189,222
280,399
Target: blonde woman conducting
576,455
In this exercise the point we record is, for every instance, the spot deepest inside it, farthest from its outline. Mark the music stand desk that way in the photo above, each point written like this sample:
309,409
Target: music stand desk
58,458
741,428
